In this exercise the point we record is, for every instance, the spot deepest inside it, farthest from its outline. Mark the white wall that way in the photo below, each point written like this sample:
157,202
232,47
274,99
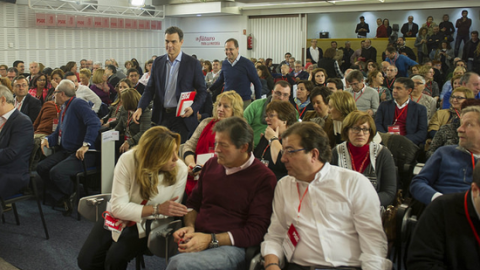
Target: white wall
342,25
219,27
54,46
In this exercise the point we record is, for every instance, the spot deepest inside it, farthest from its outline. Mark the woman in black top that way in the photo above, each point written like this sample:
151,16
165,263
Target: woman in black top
279,116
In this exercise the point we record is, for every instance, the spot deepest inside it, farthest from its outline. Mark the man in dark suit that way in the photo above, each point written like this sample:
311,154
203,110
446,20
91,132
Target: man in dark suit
77,130
16,144
298,72
392,115
409,29
134,77
24,102
172,74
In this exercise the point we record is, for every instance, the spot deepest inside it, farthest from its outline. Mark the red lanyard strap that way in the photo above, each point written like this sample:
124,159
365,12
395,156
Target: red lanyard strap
301,198
470,220
66,107
457,113
363,162
264,151
300,113
401,112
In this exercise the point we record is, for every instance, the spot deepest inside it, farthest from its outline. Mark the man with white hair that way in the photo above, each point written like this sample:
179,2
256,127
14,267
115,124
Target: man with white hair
76,132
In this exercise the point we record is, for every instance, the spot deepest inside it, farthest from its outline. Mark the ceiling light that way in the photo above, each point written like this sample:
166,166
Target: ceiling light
137,3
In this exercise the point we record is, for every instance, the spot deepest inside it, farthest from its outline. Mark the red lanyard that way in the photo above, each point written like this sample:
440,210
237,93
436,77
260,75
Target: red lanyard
66,107
118,107
401,112
418,98
19,104
300,113
469,219
363,162
264,151
473,161
429,89
3,125
390,85
358,96
301,199
457,114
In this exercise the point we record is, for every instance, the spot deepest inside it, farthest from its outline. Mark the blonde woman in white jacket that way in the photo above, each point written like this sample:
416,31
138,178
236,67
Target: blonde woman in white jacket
149,183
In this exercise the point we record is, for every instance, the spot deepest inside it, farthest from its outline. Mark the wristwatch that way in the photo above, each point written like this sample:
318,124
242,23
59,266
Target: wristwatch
272,139
214,243
86,144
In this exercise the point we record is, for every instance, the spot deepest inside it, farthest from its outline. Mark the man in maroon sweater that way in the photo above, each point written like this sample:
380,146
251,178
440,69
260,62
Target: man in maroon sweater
231,204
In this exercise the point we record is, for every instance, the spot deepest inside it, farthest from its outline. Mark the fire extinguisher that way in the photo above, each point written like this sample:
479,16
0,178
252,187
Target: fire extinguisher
249,42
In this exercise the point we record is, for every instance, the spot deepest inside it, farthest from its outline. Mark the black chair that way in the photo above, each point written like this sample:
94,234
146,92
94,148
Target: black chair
26,194
86,174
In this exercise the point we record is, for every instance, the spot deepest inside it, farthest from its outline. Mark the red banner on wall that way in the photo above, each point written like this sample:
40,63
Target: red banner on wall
128,23
97,22
121,23
81,21
50,20
40,19
105,22
141,24
89,22
61,20
134,24
70,21
159,25
113,23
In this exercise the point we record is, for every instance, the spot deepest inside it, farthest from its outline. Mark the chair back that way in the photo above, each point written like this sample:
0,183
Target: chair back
92,207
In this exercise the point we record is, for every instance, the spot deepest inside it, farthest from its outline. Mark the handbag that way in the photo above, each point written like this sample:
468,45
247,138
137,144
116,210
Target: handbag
389,217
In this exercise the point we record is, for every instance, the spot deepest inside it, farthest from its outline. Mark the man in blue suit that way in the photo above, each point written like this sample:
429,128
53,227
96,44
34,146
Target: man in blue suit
77,130
16,143
172,74
402,115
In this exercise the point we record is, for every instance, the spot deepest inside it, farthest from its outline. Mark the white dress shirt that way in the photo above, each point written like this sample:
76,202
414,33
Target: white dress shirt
314,53
339,223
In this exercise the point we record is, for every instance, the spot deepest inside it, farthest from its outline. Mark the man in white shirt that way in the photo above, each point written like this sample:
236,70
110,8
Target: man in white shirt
314,53
332,214
84,92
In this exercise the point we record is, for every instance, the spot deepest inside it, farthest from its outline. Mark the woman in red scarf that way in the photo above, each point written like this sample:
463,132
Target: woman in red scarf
228,104
361,154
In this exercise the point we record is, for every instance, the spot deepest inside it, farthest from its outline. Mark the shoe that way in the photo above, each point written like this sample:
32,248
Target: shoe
68,204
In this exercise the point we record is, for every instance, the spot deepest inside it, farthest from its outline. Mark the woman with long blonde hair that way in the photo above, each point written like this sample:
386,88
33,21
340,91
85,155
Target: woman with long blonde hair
148,184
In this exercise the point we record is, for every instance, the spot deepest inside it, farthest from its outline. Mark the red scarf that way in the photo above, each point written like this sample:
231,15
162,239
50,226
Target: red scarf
360,155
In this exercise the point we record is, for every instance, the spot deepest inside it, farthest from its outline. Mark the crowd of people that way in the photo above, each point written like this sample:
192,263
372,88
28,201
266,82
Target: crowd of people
287,156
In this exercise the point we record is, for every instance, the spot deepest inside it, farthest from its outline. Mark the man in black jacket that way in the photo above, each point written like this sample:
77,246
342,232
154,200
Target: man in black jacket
469,50
434,40
407,51
409,29
446,27
446,236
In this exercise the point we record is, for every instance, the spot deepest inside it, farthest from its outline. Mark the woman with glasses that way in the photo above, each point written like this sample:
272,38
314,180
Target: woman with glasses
39,89
228,104
449,86
279,116
361,154
445,116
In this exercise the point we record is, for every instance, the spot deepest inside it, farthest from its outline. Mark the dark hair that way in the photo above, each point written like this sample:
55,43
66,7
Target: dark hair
474,32
407,82
312,136
470,102
47,71
235,42
321,91
70,65
268,61
330,53
209,64
132,70
308,84
391,49
284,109
288,53
174,30
338,83
135,63
12,69
283,84
15,64
68,74
265,72
354,75
238,130
112,68
361,17
36,78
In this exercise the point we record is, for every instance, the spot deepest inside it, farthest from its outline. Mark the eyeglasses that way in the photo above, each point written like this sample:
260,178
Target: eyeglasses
418,83
271,115
279,94
457,98
290,152
357,130
42,80
2,69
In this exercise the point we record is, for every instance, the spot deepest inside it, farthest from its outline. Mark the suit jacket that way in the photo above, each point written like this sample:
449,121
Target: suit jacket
113,80
320,55
16,144
404,30
416,125
303,75
31,107
190,78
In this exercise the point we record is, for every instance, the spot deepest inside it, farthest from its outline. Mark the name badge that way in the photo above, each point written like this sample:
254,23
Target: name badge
290,242
394,129
127,137
55,124
111,119
265,162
